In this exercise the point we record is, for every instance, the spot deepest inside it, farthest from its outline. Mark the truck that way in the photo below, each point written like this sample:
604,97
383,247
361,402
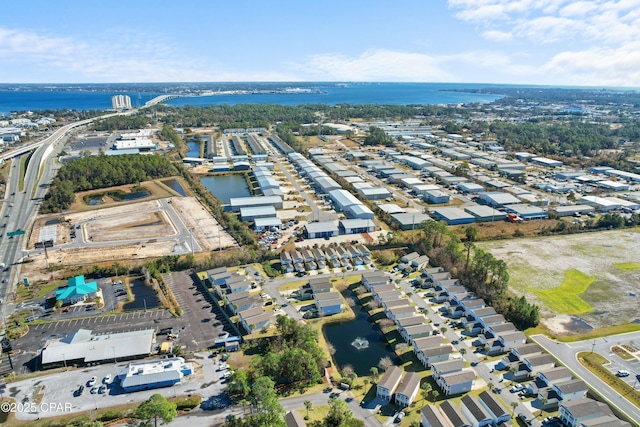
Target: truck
511,217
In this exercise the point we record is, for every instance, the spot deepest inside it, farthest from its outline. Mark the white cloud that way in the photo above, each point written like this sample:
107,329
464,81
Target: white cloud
497,35
609,67
375,65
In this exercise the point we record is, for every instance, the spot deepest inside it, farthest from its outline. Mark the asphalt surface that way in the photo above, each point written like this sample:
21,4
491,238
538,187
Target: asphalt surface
567,354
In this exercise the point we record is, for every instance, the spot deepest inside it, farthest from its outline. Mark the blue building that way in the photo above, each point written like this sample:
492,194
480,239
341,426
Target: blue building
154,374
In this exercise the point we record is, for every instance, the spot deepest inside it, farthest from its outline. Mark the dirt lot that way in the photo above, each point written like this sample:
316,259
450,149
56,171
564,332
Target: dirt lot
130,231
541,263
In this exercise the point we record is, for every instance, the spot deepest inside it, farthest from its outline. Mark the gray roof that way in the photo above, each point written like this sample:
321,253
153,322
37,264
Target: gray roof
357,223
529,348
409,384
461,377
475,408
390,377
435,416
267,222
437,351
409,218
254,201
584,407
453,413
494,405
556,373
541,359
452,214
448,366
409,321
294,419
571,386
84,345
152,378
322,227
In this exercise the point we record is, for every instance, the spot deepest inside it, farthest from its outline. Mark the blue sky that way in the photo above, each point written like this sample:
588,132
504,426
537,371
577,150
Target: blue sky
548,42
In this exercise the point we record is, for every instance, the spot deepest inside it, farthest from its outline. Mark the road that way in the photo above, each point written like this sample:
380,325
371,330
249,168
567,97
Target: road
20,207
481,369
567,354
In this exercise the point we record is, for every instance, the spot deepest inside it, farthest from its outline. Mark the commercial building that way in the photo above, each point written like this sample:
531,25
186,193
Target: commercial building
356,226
410,220
76,290
83,347
251,213
453,216
236,203
319,230
154,374
485,213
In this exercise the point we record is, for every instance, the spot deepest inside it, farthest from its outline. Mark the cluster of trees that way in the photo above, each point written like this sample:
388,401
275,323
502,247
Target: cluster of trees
137,121
94,172
261,394
570,138
169,133
292,358
478,270
377,136
339,415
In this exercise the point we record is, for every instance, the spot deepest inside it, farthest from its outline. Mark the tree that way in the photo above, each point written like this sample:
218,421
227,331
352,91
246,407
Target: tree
385,363
264,398
238,384
157,407
308,405
491,386
463,351
471,233
339,413
374,373
514,405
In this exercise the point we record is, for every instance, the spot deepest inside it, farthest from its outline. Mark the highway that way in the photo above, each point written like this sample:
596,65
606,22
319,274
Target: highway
20,205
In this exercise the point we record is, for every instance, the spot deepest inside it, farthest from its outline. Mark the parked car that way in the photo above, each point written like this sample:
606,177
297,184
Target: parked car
622,373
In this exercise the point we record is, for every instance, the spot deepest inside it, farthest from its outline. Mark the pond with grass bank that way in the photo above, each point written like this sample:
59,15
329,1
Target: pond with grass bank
225,187
358,342
175,186
116,196
145,297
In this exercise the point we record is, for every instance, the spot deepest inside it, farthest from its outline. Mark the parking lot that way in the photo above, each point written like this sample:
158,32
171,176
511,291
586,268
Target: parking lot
198,328
631,366
61,396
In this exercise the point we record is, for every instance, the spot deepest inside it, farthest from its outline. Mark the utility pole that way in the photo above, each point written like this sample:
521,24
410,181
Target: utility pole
593,346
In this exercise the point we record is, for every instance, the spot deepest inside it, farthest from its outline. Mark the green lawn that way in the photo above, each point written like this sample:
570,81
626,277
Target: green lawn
628,266
565,298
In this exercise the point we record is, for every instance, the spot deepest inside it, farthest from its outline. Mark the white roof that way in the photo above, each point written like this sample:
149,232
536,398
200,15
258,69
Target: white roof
84,345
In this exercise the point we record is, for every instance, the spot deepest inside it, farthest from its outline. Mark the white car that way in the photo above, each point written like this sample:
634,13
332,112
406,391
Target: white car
622,373
107,379
92,382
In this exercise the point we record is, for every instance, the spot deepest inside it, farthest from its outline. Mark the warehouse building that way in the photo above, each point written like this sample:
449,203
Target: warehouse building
260,224
470,187
410,220
526,212
360,211
355,226
497,199
562,211
436,197
236,203
154,374
453,216
249,214
319,230
373,193
600,203
485,213
343,199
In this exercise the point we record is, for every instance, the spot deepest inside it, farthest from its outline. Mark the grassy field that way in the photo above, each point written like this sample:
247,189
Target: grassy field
565,298
629,266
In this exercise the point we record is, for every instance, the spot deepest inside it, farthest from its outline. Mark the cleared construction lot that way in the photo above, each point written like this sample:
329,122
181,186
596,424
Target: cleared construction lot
592,276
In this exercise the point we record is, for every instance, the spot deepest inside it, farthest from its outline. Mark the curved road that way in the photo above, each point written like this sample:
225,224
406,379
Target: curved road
567,354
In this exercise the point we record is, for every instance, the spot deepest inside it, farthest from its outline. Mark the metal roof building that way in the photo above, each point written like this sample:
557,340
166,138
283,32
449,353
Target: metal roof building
317,230
260,224
498,198
470,187
572,210
373,193
235,203
485,213
453,216
360,211
251,213
343,199
409,220
526,211
354,226
83,346
153,374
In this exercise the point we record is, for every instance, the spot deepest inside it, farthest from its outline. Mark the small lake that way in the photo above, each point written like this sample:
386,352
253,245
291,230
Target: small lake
224,187
175,186
358,342
194,149
145,297
117,196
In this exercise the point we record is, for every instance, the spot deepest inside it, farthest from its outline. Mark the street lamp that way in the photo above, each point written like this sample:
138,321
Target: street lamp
64,360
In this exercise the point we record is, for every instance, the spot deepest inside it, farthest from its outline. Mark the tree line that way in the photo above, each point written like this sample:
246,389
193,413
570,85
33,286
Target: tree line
478,270
95,172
